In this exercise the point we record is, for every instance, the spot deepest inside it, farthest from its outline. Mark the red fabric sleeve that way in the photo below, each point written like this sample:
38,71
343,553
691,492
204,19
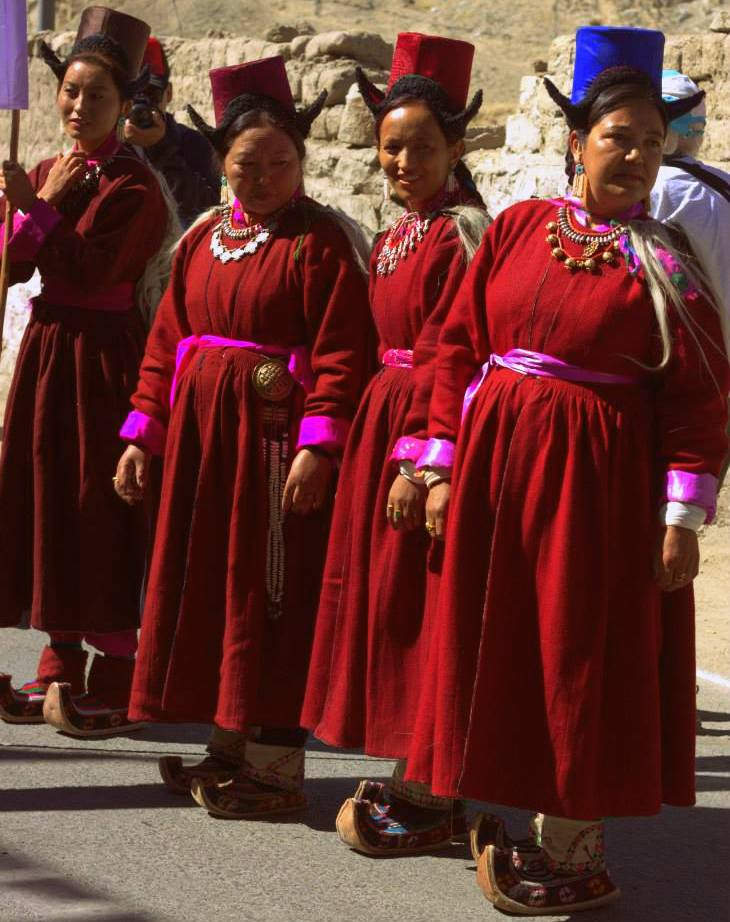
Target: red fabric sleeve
446,273
692,406
120,230
463,345
170,325
337,316
20,270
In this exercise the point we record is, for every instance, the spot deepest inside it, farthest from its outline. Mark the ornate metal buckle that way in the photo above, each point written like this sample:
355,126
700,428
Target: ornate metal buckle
272,381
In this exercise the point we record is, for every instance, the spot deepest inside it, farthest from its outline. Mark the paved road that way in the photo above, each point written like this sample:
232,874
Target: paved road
87,832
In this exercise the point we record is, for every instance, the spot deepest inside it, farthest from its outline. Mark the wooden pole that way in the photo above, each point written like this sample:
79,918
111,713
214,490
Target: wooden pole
5,264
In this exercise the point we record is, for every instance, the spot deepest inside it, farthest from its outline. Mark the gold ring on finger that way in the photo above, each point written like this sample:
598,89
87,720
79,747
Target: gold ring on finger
396,514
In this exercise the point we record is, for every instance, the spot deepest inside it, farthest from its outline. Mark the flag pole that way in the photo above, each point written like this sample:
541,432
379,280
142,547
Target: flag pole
5,264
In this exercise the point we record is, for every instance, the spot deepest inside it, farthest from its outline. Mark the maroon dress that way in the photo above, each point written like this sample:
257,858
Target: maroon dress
212,648
557,681
71,551
372,630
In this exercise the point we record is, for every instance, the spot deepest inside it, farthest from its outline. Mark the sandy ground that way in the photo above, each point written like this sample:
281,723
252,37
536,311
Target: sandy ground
712,590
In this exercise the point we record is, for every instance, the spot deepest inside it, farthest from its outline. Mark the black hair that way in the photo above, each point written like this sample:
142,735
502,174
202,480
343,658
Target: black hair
453,132
252,118
105,52
118,76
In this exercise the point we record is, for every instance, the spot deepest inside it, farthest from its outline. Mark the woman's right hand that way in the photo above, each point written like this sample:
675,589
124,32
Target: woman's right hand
65,173
131,478
437,507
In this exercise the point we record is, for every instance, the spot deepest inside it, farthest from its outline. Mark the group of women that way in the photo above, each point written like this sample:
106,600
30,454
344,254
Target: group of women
444,508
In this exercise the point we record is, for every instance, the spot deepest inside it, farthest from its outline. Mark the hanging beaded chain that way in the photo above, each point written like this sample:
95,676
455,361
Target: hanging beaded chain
255,236
592,243
402,238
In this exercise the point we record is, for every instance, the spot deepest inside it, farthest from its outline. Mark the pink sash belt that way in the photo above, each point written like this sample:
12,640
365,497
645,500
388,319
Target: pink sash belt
525,362
397,358
297,357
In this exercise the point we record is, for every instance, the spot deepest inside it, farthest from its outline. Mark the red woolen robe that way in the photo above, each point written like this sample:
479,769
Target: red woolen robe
209,650
368,655
70,550
557,681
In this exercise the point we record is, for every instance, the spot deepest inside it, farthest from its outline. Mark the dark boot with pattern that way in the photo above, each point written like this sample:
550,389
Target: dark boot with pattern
63,663
101,712
226,754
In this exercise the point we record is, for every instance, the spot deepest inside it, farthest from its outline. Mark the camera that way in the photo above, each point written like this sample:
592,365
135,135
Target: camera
140,115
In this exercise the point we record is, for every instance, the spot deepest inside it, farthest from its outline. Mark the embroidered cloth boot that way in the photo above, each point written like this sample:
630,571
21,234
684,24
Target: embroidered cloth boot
399,818
226,754
269,782
567,874
24,705
103,710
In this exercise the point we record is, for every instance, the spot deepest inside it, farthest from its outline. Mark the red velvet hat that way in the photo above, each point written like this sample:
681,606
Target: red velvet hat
259,84
111,35
446,61
266,77
156,60
431,68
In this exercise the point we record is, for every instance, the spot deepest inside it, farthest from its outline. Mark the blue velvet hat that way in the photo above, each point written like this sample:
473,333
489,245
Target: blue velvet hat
609,55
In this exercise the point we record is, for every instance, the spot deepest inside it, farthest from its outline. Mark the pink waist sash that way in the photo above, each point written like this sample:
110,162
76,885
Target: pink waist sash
297,357
525,362
397,358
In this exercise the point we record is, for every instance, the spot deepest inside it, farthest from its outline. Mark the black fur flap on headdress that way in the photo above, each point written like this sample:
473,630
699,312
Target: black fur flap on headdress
300,119
105,47
576,114
418,87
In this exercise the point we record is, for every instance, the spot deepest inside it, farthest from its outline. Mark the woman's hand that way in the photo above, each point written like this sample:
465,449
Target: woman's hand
406,502
131,478
437,507
17,187
677,559
306,486
65,173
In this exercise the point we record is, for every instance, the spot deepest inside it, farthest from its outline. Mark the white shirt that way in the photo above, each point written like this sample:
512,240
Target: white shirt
704,216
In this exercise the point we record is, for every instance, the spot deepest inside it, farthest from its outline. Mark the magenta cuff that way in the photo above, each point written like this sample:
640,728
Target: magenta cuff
144,431
325,432
30,230
697,489
437,453
408,448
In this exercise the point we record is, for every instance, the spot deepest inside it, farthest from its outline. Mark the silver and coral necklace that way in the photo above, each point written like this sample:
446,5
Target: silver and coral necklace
255,236
401,239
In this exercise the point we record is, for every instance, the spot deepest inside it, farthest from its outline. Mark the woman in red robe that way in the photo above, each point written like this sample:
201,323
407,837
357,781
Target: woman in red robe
586,459
252,374
368,655
70,552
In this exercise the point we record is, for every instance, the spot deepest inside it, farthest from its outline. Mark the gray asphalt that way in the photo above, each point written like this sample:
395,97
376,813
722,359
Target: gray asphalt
87,832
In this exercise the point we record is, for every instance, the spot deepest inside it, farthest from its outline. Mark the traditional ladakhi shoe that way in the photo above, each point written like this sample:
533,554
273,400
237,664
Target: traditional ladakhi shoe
57,664
178,777
379,822
268,783
530,882
101,712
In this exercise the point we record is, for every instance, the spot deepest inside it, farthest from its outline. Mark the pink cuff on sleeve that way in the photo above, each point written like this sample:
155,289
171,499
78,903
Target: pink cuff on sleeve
30,230
697,489
438,453
408,448
326,432
144,430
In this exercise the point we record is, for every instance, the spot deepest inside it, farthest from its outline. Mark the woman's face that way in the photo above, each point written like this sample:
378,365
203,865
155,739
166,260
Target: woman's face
621,155
415,154
263,169
89,103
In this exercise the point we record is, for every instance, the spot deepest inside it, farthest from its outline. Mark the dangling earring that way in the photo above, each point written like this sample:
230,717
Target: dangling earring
386,190
452,184
225,191
579,180
121,121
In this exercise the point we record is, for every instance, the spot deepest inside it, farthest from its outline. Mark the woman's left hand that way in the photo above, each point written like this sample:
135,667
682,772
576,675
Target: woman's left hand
306,486
17,187
677,559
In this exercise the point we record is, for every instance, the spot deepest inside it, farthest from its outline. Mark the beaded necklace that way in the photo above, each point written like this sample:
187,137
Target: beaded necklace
401,239
606,243
255,236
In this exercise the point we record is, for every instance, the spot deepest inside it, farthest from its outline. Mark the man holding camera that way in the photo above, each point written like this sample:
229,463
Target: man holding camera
182,156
